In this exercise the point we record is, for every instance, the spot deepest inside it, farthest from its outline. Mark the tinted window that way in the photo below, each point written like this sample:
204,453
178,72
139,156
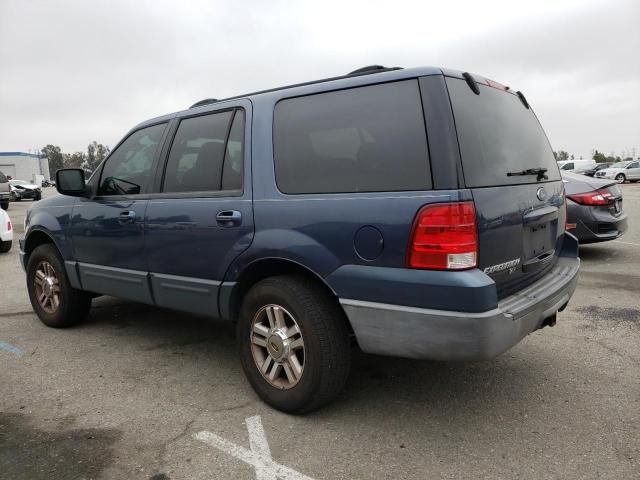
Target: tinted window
128,169
498,134
3,179
234,155
634,165
567,166
366,139
197,154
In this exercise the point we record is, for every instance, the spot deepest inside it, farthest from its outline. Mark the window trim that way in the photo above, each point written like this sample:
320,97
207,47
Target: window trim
429,172
166,152
155,161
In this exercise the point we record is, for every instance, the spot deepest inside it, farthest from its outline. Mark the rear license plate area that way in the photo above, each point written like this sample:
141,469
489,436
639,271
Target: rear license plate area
538,241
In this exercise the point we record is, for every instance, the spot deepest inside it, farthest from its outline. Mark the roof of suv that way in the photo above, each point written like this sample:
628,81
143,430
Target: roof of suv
334,83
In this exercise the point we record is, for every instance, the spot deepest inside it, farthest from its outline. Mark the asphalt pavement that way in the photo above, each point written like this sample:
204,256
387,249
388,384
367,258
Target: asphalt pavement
142,392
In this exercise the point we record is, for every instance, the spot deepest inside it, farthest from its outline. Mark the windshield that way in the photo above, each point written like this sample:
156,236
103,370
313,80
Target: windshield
620,165
499,136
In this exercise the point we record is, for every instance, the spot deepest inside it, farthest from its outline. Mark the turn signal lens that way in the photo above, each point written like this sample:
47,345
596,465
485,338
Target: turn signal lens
444,237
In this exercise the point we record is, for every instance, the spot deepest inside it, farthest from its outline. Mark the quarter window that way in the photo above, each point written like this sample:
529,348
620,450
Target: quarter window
365,139
128,169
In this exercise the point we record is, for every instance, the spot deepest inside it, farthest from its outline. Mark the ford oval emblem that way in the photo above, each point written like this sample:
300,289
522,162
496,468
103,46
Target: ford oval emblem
541,194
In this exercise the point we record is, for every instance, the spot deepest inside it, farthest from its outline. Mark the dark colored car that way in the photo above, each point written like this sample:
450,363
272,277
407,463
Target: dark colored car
5,192
418,212
594,208
592,171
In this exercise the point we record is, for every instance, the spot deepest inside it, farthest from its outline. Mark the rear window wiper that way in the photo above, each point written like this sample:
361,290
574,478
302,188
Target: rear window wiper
540,173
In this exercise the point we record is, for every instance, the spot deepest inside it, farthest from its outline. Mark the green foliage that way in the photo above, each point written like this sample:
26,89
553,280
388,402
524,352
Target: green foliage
600,157
74,160
96,153
561,156
54,157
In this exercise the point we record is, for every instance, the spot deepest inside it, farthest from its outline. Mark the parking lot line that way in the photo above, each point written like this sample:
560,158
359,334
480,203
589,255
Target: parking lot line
259,456
10,348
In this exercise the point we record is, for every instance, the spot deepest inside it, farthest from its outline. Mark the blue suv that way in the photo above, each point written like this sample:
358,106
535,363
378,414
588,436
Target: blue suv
417,213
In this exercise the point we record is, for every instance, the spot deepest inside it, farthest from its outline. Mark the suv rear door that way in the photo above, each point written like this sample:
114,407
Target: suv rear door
520,213
201,217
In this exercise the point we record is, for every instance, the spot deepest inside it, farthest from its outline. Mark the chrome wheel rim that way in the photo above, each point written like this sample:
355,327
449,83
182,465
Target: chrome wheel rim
47,287
277,346
620,179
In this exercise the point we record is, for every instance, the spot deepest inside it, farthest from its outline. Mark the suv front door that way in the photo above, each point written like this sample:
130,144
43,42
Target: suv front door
107,230
201,219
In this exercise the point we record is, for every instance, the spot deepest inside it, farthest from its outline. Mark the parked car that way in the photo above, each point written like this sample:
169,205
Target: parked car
22,190
594,208
621,171
315,217
6,232
576,165
5,192
590,172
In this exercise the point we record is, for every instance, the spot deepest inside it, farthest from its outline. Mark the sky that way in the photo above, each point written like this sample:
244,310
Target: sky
72,72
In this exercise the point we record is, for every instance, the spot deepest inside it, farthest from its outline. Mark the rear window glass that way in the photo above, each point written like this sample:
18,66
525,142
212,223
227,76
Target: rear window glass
497,135
3,179
366,139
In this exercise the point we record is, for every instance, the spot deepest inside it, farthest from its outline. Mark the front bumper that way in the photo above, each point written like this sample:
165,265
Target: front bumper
422,333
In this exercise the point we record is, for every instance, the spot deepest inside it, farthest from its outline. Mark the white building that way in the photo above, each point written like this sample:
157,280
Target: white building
24,166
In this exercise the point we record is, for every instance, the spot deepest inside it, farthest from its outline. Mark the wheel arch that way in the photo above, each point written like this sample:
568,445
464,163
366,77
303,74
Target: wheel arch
232,295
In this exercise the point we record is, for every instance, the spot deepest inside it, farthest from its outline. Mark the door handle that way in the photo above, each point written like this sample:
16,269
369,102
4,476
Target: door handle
229,218
127,217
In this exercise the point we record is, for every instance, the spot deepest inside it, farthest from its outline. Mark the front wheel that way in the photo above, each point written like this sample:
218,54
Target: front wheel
294,343
54,300
620,178
5,246
5,205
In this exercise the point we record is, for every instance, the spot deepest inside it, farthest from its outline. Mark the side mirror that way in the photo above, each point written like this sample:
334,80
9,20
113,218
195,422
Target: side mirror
70,181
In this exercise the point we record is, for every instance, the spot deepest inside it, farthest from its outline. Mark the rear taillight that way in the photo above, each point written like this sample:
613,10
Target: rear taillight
9,225
444,237
597,197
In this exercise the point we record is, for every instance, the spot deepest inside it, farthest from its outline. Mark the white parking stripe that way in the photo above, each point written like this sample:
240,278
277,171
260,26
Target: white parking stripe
10,348
259,457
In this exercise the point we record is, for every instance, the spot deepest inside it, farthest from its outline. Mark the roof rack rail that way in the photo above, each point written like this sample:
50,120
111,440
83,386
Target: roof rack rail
372,69
206,101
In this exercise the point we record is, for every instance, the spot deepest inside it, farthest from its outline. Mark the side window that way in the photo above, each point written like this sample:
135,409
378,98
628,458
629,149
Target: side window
366,139
634,165
201,159
128,169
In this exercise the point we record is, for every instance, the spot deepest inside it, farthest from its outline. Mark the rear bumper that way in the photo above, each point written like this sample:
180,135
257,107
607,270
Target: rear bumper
596,224
412,332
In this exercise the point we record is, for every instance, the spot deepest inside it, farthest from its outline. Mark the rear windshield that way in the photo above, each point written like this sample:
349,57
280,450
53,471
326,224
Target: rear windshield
367,139
497,135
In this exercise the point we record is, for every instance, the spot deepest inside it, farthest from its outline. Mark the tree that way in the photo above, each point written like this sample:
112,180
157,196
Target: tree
561,156
54,157
74,160
96,153
573,157
599,157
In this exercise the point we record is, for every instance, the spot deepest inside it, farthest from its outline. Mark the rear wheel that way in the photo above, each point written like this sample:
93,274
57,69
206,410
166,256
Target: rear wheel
294,343
620,178
5,205
37,196
5,246
56,303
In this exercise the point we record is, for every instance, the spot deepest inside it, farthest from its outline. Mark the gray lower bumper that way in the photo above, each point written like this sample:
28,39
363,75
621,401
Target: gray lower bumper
410,332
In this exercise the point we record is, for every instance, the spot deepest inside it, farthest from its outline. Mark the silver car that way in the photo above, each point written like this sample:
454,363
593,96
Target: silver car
621,171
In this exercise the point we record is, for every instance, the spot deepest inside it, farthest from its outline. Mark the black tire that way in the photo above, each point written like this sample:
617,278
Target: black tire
5,246
5,205
620,178
73,304
323,325
38,196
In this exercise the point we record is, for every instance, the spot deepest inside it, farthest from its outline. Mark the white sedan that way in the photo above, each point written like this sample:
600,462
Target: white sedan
6,232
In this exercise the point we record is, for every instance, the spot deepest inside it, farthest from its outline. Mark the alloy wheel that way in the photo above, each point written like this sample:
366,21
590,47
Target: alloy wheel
47,287
277,346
